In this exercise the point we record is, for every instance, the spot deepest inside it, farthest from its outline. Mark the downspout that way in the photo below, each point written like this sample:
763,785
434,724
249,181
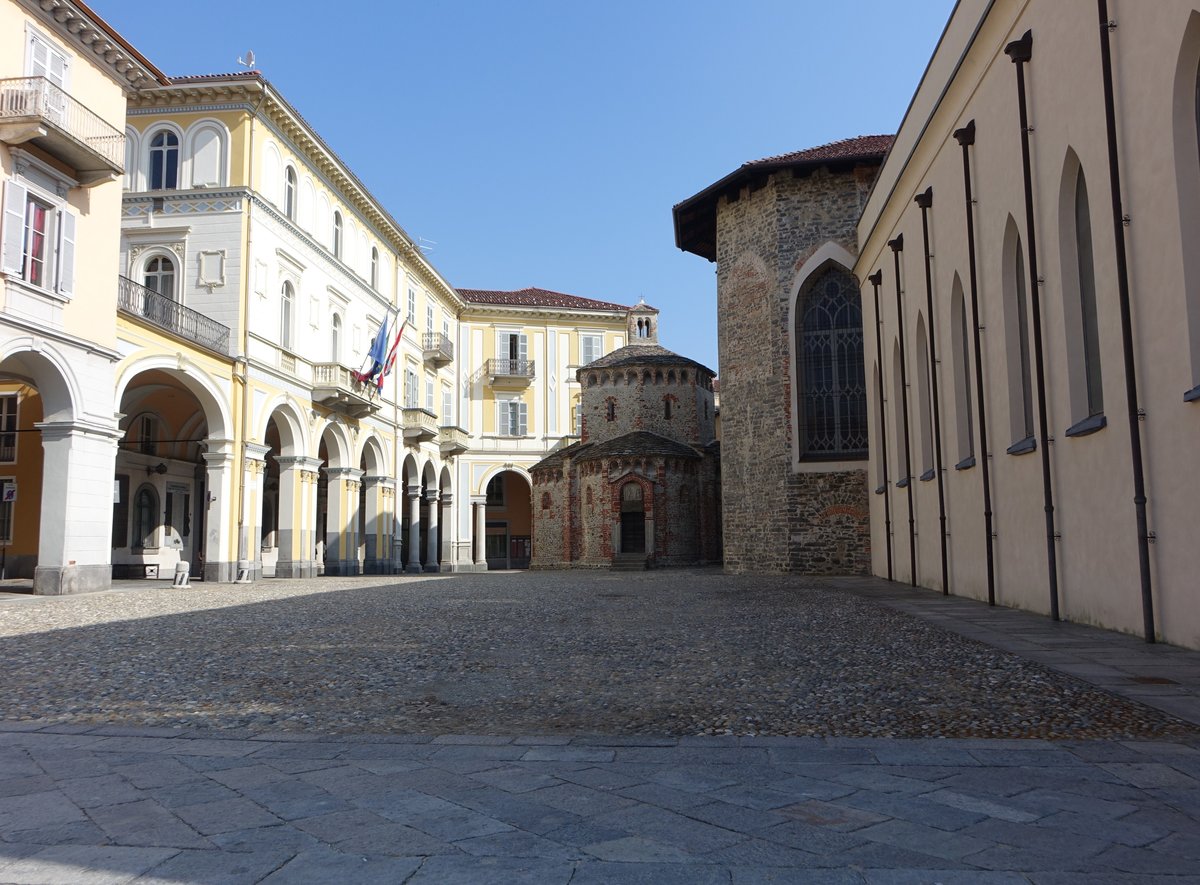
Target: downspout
925,201
966,137
244,575
876,280
897,246
1021,51
1131,394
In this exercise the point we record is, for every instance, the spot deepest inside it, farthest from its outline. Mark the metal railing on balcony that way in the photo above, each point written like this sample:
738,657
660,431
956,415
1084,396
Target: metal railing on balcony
168,314
502,368
438,346
37,97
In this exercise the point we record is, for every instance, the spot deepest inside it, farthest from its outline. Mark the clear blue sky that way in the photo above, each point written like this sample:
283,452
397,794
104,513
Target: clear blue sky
544,142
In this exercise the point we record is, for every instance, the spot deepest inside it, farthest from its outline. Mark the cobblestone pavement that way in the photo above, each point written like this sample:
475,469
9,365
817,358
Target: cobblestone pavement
666,653
548,728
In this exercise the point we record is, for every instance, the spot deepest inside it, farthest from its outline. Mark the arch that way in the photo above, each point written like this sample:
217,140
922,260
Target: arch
335,338
212,399
924,400
289,420
160,273
446,481
304,214
39,363
374,268
322,221
272,186
373,455
167,174
1187,180
133,148
337,444
429,475
206,154
1016,337
290,195
146,519
492,472
1082,344
337,234
825,337
287,311
960,354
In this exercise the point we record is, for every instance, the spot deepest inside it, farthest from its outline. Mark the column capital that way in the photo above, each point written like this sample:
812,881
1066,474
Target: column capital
217,459
256,451
56,430
353,474
431,495
219,446
301,461
413,491
372,481
479,499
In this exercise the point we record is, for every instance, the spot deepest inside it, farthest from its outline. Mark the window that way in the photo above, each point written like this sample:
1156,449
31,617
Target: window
447,407
335,332
120,525
512,418
374,268
6,511
589,348
1016,321
337,234
831,389
38,239
514,347
412,305
667,408
289,193
8,428
164,161
446,325
961,347
610,409
1087,298
495,491
148,435
429,318
145,518
577,421
160,276
429,386
286,308
44,60
411,396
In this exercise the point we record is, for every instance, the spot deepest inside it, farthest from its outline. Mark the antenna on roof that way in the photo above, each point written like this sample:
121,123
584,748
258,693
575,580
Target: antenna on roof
248,61
426,246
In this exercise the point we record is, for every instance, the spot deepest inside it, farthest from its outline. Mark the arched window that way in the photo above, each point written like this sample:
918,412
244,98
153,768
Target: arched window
902,456
160,276
335,333
287,304
145,517
289,193
1016,328
831,390
667,408
1090,338
961,347
164,161
337,234
611,409
924,400
374,268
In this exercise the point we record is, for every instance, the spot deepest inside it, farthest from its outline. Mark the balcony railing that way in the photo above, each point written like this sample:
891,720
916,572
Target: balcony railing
453,440
34,109
335,387
438,348
502,371
420,425
168,314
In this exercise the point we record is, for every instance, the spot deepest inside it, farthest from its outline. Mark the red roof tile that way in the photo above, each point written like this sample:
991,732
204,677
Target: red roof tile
863,147
533,297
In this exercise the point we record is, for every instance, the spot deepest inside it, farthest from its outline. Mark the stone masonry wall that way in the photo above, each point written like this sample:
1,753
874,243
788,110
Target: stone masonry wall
639,404
774,519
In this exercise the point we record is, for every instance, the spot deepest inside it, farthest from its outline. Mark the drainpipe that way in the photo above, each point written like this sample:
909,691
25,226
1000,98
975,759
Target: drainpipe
1131,394
966,137
1021,51
925,201
897,246
876,280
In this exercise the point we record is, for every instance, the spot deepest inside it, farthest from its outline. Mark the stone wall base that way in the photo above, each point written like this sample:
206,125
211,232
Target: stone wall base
61,580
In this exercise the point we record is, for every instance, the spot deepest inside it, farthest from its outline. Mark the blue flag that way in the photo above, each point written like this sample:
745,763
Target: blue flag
377,355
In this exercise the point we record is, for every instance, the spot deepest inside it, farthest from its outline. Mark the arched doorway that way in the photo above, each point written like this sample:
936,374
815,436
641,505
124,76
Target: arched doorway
633,519
375,502
336,526
283,531
509,525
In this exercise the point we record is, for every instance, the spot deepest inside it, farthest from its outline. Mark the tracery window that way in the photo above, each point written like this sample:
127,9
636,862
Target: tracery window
831,388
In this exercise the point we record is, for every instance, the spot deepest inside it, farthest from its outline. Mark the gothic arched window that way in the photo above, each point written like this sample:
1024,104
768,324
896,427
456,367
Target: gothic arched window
830,384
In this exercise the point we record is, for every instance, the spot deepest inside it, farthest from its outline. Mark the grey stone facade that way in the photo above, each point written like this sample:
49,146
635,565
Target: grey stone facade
782,512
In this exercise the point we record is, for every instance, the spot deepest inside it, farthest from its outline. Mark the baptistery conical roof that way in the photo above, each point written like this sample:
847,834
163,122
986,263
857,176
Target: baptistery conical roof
644,355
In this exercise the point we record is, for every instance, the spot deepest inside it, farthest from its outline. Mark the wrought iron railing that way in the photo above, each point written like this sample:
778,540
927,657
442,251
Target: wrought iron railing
510,368
439,341
168,314
38,97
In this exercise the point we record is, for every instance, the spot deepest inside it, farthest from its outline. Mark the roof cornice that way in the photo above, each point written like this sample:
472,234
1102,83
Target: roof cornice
99,41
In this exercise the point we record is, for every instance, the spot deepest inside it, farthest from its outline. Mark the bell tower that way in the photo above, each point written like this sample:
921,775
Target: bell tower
641,323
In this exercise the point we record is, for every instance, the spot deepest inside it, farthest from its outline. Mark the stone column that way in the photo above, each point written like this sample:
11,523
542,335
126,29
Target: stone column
297,513
254,466
379,491
448,532
414,529
219,510
431,541
75,539
480,503
338,514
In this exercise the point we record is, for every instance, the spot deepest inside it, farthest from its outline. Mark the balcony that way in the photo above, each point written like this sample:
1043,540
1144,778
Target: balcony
509,373
34,110
420,425
171,316
335,387
453,441
438,349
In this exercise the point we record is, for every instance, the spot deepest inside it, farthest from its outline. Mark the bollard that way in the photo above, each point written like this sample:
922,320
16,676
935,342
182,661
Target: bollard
243,572
181,574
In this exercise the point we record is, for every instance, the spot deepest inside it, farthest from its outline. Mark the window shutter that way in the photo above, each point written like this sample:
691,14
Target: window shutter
15,197
447,407
58,69
39,58
66,253
523,348
522,419
428,317
500,418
